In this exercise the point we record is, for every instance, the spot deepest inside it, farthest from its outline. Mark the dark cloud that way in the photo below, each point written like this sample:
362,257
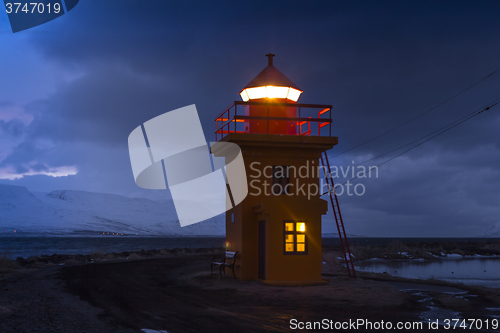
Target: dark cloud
103,106
379,64
13,128
39,167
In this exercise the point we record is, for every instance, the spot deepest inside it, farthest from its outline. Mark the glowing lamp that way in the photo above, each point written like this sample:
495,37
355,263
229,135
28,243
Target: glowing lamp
270,92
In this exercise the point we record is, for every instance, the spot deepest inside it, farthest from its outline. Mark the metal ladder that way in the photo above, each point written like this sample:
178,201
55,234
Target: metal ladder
338,217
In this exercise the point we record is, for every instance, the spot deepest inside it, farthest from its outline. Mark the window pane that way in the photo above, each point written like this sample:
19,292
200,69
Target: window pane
257,92
301,238
289,239
301,247
277,92
280,171
244,95
280,179
301,226
288,226
294,94
289,247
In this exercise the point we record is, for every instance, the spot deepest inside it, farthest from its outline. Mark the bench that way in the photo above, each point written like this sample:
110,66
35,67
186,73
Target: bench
222,262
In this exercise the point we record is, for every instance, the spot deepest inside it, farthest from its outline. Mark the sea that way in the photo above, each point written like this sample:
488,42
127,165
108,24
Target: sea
27,246
23,245
477,270
482,271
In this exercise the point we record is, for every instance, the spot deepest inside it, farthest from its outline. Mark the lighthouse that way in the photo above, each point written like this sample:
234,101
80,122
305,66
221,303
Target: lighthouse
276,229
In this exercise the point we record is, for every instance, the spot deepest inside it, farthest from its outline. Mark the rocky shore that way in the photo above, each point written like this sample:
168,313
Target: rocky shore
173,290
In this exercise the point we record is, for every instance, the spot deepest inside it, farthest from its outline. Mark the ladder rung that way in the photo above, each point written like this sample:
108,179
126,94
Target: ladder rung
338,218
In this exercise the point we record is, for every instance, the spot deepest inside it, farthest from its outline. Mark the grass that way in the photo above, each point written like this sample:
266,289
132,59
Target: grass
96,257
6,263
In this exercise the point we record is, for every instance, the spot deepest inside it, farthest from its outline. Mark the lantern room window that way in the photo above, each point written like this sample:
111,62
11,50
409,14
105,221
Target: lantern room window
295,237
270,92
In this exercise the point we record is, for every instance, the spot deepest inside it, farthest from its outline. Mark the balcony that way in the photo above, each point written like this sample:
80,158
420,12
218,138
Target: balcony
236,119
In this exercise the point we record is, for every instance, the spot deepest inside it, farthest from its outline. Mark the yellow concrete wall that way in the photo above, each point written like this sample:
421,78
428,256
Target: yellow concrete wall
296,267
233,237
242,235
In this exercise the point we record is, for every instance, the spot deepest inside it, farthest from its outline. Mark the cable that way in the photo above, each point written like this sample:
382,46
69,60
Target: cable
444,130
420,115
472,113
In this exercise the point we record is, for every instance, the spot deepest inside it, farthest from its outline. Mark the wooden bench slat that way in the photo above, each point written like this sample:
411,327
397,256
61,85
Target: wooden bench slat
228,255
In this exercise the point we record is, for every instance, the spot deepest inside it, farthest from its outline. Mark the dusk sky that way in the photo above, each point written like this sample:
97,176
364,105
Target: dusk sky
74,88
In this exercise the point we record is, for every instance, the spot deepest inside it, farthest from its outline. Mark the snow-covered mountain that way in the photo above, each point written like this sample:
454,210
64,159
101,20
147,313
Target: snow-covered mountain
492,230
65,212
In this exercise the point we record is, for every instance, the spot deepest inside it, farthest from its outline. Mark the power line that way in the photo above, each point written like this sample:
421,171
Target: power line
420,115
486,107
442,130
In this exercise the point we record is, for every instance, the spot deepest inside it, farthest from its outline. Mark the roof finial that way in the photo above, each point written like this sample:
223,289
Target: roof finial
270,59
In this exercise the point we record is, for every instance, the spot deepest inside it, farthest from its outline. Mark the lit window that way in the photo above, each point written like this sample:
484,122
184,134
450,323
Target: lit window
295,238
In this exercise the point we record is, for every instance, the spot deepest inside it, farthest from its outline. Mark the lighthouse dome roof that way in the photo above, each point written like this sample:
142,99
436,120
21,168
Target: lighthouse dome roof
270,83
271,76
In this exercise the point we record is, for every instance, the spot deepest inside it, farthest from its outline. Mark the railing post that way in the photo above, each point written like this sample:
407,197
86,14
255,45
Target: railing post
300,126
319,124
330,125
268,119
235,112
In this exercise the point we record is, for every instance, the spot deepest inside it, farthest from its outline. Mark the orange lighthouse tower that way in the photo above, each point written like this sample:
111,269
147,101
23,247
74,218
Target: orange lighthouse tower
276,229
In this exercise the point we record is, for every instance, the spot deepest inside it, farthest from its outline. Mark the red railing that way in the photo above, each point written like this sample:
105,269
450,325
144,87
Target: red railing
230,121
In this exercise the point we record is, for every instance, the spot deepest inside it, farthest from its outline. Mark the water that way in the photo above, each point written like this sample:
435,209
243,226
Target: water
473,271
381,241
36,246
484,272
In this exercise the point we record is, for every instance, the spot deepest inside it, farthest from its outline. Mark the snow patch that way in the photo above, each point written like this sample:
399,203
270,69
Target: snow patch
80,212
492,231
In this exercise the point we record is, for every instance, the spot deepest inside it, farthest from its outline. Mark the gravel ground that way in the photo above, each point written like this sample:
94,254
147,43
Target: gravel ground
178,294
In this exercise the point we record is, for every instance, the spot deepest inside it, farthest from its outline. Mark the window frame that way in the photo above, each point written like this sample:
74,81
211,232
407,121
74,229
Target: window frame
295,233
283,181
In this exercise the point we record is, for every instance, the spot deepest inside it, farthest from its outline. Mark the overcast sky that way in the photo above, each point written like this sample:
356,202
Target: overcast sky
74,88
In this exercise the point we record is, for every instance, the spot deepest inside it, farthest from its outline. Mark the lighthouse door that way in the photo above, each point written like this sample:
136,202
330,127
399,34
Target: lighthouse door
262,249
